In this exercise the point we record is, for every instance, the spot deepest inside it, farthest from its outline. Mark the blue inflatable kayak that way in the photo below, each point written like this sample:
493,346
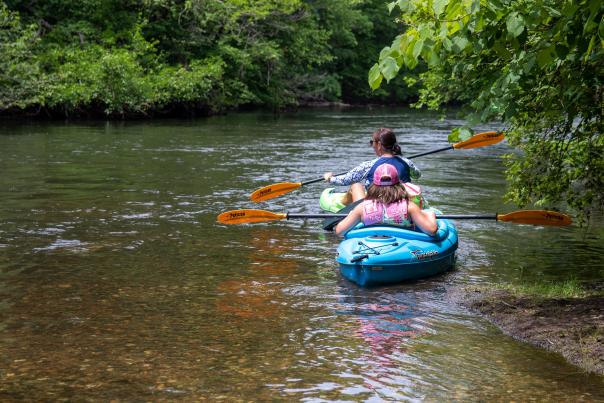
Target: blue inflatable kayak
385,254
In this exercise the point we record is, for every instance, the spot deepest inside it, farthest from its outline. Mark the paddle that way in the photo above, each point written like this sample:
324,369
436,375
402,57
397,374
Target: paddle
533,217
478,140
330,223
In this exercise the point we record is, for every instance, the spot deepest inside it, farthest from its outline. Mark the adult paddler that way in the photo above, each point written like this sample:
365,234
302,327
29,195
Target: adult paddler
388,151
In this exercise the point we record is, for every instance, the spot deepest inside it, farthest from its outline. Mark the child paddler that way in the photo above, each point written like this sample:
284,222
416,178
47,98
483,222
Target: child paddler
387,202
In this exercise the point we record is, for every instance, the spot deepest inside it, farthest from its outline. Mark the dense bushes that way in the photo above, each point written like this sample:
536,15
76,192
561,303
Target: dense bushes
124,58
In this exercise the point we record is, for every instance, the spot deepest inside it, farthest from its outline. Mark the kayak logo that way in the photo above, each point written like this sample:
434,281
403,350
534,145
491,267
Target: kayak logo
554,216
237,214
420,254
263,192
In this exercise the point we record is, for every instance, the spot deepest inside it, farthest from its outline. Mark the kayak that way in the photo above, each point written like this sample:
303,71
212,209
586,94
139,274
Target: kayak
386,254
331,201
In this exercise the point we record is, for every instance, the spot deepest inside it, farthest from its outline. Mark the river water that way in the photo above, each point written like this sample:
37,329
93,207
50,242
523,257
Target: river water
116,282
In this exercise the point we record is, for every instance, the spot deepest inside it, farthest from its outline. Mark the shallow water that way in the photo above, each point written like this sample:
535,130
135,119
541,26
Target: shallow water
116,283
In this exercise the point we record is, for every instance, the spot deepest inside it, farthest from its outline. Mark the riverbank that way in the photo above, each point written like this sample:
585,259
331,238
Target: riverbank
572,327
179,112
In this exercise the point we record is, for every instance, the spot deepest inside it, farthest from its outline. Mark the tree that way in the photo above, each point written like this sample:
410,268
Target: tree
536,66
20,76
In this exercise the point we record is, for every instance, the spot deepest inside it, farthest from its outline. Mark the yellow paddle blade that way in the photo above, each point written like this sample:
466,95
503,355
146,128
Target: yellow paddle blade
481,140
271,191
536,217
248,216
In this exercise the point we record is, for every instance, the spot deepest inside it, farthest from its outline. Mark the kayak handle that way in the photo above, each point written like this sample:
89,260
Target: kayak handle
358,258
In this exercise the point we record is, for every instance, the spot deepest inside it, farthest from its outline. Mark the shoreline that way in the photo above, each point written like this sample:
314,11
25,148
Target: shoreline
571,327
92,114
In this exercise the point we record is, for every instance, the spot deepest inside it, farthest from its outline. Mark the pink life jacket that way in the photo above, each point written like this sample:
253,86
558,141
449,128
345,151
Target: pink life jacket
395,213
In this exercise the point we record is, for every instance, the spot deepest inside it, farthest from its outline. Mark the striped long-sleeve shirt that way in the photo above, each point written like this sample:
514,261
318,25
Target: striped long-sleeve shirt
359,173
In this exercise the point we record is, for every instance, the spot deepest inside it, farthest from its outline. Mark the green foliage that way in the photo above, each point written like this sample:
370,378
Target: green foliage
118,58
538,66
571,288
20,75
460,134
115,80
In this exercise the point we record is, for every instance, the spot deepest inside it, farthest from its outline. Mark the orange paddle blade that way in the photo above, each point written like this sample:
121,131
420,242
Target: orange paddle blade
271,191
481,140
248,216
536,217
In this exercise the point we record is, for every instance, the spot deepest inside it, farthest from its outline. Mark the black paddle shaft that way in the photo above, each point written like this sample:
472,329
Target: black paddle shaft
431,152
440,217
330,223
320,215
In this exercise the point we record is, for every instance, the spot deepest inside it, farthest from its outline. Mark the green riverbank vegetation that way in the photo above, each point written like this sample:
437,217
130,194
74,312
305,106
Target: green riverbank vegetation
68,58
537,66
570,288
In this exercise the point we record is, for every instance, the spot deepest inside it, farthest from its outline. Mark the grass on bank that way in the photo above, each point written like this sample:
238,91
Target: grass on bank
563,289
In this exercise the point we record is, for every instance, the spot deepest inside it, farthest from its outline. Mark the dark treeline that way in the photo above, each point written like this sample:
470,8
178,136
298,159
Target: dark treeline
173,57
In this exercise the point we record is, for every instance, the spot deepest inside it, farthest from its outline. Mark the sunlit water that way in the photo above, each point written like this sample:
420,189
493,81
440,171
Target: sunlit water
116,283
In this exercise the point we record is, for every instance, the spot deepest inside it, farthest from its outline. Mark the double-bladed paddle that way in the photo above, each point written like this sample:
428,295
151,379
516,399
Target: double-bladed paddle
478,140
533,217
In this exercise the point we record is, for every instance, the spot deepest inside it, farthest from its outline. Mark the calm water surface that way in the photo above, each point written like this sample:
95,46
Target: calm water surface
116,283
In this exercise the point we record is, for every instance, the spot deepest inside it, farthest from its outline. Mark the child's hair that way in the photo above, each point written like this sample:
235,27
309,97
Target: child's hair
387,194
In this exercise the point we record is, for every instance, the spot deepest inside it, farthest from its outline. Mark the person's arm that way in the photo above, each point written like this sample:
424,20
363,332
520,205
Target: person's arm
414,171
425,220
352,219
356,174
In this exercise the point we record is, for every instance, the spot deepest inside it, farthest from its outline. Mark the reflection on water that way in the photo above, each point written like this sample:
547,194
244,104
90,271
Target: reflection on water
117,284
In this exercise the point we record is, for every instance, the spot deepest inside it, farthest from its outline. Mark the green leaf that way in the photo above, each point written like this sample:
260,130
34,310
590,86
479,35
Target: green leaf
459,134
443,32
403,5
389,68
515,24
592,42
570,8
454,10
424,31
529,63
501,50
545,56
397,44
479,24
410,61
375,77
417,48
438,6
391,7
433,58
459,43
552,11
385,53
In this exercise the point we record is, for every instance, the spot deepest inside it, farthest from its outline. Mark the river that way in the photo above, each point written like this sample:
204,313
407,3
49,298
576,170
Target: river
116,282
